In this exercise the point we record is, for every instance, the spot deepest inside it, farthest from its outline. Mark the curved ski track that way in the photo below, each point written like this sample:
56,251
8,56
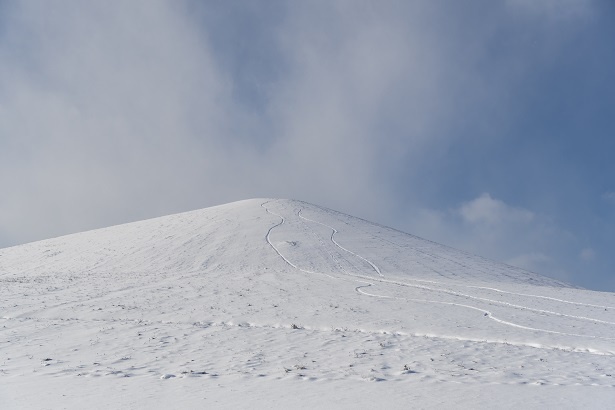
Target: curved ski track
473,287
486,313
486,287
333,232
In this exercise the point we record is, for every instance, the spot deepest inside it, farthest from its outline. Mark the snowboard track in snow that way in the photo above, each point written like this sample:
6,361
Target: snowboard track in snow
281,294
334,231
439,273
365,284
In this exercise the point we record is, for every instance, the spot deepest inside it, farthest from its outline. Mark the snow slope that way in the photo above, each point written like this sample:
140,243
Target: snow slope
280,303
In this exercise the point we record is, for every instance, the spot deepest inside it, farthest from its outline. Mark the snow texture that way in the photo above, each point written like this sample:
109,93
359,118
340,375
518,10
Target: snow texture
280,303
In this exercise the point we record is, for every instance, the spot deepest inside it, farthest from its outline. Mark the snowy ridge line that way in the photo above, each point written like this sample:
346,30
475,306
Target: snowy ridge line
489,314
474,287
321,329
463,265
334,231
451,292
493,289
398,232
440,257
447,291
419,249
435,244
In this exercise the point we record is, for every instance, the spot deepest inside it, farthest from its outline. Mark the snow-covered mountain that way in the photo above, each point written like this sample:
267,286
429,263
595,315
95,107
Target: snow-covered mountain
280,303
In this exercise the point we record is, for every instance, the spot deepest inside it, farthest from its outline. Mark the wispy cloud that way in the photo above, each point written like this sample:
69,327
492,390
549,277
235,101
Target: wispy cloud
121,111
107,108
486,210
493,228
117,111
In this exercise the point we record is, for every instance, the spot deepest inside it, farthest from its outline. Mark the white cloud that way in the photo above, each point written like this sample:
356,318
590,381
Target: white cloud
491,228
117,111
123,110
112,111
486,210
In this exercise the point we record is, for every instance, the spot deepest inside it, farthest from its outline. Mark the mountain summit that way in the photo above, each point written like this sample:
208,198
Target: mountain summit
270,289
250,236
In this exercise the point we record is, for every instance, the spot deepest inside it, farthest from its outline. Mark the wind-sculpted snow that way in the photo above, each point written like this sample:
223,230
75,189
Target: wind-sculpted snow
272,293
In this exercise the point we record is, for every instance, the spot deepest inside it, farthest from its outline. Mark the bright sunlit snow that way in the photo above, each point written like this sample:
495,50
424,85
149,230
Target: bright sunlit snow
279,303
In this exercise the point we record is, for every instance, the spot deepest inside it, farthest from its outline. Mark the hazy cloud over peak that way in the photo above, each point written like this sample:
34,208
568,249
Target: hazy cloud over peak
400,112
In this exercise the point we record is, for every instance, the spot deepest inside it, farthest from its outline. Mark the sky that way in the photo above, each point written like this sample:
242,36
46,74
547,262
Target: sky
488,126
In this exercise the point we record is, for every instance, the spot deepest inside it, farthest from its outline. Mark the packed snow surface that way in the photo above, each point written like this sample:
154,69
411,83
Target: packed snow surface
280,303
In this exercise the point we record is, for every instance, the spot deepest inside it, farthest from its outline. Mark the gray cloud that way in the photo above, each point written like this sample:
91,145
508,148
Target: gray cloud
119,111
102,104
113,112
